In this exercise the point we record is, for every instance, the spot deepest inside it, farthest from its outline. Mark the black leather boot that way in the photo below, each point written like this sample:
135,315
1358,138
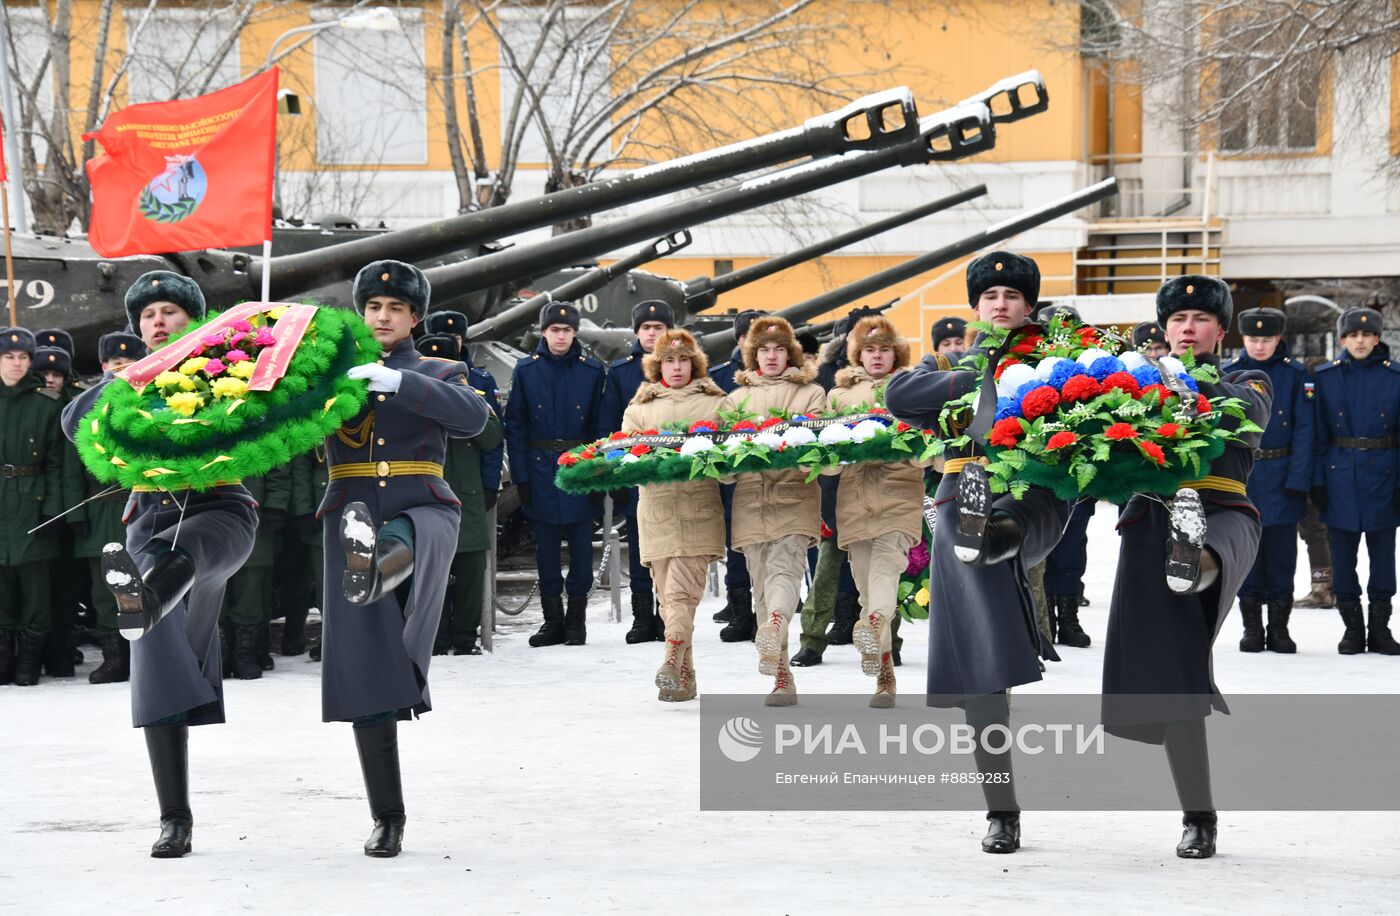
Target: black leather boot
378,748
1190,567
294,632
116,660
576,621
373,567
1003,832
143,601
983,537
29,657
1068,631
263,648
726,613
1276,638
1354,638
59,650
245,653
1198,835
806,658
7,656
1252,612
1378,638
843,619
742,626
643,619
168,748
551,632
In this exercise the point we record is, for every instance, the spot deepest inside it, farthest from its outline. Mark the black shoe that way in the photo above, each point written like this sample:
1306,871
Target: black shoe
58,653
473,649
378,748
168,749
294,633
1276,638
1198,835
1354,638
1252,612
313,651
7,656
1003,832
1068,631
264,647
982,538
726,613
806,658
551,632
576,621
1186,542
843,619
441,648
373,567
742,626
895,660
29,655
245,653
643,619
1083,601
143,601
116,660
659,628
1378,638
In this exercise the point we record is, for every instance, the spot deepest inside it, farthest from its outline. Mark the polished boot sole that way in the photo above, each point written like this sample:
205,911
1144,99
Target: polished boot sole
867,640
771,641
357,539
123,580
1186,523
974,502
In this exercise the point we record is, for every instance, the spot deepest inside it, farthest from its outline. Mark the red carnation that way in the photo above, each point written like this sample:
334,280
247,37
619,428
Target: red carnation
588,454
1006,432
1026,345
1060,440
1040,401
649,432
617,435
1202,405
1121,431
702,426
568,459
901,427
826,531
745,426
878,410
1088,336
639,449
1169,430
1163,392
1081,388
1153,451
1124,382
771,421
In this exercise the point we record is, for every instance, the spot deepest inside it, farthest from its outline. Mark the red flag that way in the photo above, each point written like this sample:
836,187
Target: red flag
195,173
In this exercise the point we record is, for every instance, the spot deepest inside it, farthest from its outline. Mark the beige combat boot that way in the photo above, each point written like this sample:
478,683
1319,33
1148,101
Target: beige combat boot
784,689
686,690
868,634
668,676
772,640
884,685
1321,593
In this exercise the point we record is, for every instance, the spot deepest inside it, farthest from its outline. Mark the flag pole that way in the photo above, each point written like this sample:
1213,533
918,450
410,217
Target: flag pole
9,258
267,270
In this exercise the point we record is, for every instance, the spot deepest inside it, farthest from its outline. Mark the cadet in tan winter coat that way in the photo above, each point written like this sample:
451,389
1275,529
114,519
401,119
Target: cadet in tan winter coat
879,507
776,516
681,525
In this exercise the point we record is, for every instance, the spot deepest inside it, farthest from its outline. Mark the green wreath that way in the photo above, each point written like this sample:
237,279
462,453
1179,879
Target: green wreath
152,208
133,439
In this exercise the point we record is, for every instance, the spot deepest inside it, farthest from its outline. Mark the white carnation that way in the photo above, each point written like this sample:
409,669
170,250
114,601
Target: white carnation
799,435
696,445
1087,358
1132,361
1044,368
732,444
866,430
768,439
629,458
1174,365
1013,377
835,435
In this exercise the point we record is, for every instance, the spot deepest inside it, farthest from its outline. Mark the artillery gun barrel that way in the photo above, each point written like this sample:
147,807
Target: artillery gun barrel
523,314
703,292
829,327
723,341
872,122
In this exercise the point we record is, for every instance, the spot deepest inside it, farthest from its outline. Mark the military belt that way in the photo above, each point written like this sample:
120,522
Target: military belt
1365,444
21,470
178,488
1264,454
954,465
1223,484
555,445
385,469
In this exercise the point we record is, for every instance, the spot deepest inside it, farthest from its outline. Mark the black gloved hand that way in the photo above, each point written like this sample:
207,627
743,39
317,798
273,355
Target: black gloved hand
524,490
489,498
273,520
1319,498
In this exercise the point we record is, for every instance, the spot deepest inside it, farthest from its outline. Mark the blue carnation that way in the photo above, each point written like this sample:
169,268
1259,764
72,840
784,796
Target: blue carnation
614,454
1105,366
1008,407
1062,373
1147,375
1190,383
1027,388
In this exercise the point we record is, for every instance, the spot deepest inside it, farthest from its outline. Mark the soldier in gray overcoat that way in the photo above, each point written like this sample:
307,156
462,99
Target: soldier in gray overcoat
168,581
983,637
390,531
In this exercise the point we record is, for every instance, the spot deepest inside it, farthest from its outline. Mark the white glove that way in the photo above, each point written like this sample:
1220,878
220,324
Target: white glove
381,378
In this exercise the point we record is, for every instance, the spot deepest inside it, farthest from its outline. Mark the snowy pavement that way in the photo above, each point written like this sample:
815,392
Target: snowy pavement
551,780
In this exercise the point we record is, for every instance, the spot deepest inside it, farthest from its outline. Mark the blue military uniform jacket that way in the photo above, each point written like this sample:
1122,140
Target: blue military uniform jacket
1282,475
624,378
1358,400
723,374
492,460
554,406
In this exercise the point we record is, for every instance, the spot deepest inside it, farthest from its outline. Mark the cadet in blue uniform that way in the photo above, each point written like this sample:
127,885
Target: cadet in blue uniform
1356,477
168,580
397,522
553,407
737,614
650,319
1279,483
1158,680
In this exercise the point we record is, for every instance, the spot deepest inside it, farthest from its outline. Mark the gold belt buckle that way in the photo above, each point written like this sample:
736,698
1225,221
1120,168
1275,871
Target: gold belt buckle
382,469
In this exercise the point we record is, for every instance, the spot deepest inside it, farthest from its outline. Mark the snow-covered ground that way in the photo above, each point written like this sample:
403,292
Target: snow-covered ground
551,780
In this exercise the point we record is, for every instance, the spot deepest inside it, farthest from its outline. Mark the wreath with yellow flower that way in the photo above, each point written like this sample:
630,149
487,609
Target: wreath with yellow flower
251,389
